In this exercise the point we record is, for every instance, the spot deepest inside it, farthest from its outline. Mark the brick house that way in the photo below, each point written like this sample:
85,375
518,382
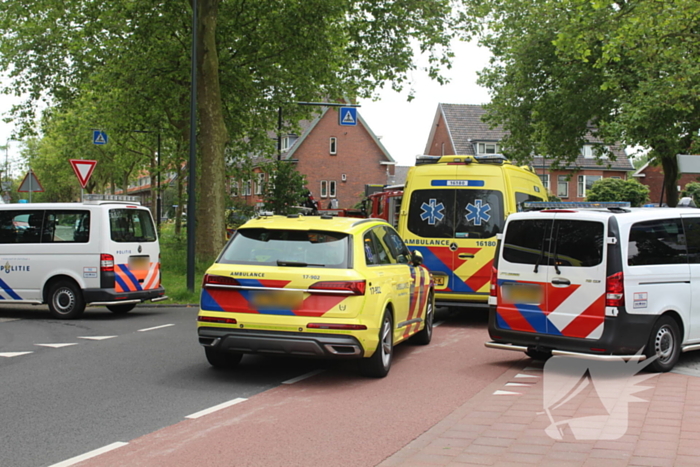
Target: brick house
337,160
459,129
653,177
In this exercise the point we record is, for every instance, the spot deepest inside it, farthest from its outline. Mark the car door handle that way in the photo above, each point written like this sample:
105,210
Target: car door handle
561,282
465,255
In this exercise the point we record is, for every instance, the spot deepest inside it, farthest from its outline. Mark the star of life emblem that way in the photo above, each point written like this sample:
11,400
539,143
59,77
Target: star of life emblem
432,211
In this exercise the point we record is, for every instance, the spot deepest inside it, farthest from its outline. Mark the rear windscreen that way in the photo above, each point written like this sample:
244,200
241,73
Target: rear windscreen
131,225
542,242
295,248
450,213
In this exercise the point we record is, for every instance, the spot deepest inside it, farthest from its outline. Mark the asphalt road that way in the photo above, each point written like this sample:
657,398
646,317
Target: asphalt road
87,383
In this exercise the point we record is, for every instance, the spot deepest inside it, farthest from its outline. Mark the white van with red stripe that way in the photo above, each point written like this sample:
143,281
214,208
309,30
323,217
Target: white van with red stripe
598,283
103,251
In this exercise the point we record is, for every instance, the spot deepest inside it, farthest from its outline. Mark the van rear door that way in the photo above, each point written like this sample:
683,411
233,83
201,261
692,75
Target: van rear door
551,276
134,246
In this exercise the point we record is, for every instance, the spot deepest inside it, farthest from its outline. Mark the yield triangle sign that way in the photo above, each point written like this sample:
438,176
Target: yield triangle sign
83,169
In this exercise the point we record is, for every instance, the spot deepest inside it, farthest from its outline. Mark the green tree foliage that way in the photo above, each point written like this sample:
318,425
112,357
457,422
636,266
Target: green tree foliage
628,72
692,189
131,59
616,189
284,189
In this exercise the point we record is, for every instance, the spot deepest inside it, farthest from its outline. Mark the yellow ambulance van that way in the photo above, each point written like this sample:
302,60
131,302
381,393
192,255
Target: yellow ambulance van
452,209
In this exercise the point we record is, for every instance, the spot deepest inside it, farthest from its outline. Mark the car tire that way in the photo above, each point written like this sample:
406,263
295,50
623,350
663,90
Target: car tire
121,309
379,364
221,359
542,355
425,335
665,344
66,300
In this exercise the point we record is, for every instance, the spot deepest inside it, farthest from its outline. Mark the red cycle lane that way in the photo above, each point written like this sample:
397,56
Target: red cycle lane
335,418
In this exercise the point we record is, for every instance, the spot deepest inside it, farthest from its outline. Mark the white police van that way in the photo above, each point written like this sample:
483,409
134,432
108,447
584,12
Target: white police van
598,283
103,251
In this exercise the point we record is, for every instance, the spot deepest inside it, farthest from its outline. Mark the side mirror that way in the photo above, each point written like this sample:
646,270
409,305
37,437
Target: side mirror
417,258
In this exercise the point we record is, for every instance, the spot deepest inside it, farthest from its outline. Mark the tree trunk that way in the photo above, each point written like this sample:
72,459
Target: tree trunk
211,207
669,164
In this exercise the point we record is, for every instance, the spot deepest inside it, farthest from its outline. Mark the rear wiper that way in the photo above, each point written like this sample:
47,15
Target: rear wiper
537,263
556,243
298,264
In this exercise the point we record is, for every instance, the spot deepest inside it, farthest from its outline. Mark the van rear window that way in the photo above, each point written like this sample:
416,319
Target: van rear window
456,213
294,248
131,225
568,242
657,242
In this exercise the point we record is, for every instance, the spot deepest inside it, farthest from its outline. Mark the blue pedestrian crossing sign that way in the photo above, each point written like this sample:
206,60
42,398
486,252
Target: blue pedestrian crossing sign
348,116
99,137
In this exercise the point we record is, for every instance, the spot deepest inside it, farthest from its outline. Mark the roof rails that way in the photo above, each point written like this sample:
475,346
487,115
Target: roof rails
618,206
467,159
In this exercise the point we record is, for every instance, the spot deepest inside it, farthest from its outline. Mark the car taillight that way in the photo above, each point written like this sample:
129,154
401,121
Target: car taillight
212,319
615,290
338,327
106,263
210,279
494,281
348,287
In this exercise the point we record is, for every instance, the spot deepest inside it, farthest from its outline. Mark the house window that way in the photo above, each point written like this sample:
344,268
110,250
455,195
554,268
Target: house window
562,186
588,152
324,189
545,181
247,188
234,188
585,182
334,145
487,148
259,184
331,189
284,143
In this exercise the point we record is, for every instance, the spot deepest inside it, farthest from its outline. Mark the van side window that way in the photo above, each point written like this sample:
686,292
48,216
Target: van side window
66,227
691,225
21,226
657,242
527,242
578,243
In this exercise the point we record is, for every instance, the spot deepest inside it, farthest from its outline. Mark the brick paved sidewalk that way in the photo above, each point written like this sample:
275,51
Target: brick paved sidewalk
504,425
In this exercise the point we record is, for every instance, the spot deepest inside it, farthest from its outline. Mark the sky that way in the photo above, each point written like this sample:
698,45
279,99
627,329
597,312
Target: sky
403,127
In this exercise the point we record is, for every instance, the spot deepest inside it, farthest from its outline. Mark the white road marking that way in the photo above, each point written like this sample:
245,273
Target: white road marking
7,320
156,327
506,393
96,338
520,375
90,455
57,346
13,354
437,324
519,384
303,377
204,412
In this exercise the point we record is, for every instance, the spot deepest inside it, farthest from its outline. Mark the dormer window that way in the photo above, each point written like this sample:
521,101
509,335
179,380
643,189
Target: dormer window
487,148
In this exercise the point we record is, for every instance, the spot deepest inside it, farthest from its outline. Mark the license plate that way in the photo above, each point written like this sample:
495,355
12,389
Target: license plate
522,293
276,300
139,263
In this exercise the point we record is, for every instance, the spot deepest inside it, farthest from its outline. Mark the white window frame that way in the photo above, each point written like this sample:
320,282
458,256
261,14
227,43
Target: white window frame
259,184
583,181
562,186
545,181
333,145
332,188
487,148
323,193
284,143
234,188
247,188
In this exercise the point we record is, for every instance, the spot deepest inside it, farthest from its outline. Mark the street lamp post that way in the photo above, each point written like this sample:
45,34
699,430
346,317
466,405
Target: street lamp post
191,206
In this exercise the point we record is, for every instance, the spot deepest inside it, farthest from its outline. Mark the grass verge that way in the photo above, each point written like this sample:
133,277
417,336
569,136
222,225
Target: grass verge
173,268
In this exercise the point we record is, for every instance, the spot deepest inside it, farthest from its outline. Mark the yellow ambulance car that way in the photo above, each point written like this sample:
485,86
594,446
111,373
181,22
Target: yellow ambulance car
452,209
